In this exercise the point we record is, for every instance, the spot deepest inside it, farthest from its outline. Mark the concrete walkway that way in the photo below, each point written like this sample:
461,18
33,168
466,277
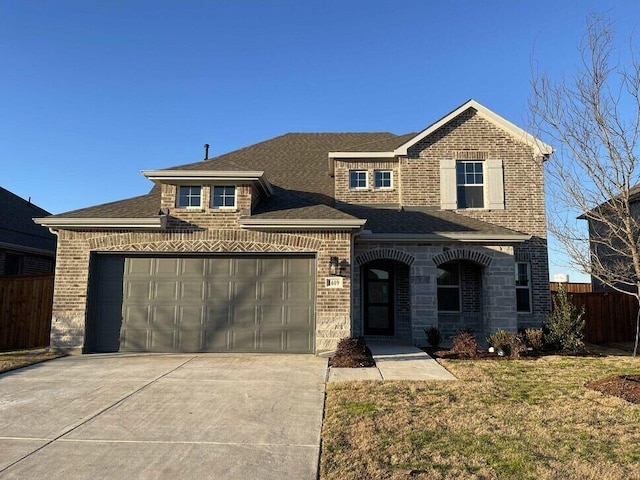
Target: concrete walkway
222,416
394,362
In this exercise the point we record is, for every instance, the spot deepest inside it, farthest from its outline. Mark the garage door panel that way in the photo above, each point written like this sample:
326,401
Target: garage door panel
299,316
300,291
192,266
166,266
136,314
301,341
219,267
272,268
245,267
162,315
190,316
216,340
165,290
188,304
299,267
271,291
271,315
243,340
191,340
162,340
246,291
243,315
192,291
138,266
137,290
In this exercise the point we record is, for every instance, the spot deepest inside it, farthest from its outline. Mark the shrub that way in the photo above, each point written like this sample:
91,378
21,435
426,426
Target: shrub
465,345
534,338
564,329
433,336
511,344
352,353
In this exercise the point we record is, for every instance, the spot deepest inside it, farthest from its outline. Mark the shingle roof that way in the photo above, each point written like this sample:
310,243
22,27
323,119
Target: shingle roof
296,161
382,145
421,220
17,226
143,206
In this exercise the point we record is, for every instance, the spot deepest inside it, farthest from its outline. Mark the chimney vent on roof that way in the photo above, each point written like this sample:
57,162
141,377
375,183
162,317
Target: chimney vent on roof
206,151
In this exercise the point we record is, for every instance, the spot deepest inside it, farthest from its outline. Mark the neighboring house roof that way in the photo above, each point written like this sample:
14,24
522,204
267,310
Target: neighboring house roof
17,230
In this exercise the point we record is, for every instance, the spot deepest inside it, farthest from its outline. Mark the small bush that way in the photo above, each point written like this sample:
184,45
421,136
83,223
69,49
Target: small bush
534,338
465,345
433,336
564,329
510,344
352,353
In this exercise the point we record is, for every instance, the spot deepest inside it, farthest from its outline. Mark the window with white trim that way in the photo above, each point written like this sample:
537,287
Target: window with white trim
189,196
523,287
223,197
383,179
449,287
357,179
470,184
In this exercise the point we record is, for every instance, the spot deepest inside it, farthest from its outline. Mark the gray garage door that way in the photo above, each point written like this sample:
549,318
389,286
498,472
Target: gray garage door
201,304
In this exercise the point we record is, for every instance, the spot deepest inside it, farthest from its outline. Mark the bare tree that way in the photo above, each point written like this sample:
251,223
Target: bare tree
593,119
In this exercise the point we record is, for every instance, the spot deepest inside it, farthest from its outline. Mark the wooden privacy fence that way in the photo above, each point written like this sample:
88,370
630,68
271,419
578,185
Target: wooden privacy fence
571,287
609,316
25,311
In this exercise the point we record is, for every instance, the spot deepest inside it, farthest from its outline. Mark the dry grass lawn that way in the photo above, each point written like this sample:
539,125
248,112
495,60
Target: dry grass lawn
24,358
521,419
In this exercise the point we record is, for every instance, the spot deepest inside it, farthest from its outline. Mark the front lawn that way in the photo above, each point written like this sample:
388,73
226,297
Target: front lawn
24,358
516,419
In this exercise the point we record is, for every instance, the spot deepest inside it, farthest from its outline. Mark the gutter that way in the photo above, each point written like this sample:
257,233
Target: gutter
445,237
81,223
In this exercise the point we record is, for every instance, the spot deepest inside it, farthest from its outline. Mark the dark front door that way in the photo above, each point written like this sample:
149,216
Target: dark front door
378,298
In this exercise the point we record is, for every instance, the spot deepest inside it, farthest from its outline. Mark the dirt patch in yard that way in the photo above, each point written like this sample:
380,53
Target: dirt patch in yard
626,387
352,353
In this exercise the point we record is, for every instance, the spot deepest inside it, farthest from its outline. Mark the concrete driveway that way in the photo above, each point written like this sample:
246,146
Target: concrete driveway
163,416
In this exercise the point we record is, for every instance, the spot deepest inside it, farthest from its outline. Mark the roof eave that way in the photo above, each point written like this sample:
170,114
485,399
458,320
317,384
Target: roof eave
301,224
446,237
158,222
256,177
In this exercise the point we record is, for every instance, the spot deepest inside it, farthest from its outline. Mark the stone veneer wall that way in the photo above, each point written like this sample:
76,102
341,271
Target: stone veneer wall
496,280
333,318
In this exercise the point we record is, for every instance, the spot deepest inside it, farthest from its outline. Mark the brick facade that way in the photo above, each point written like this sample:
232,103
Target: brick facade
487,270
74,255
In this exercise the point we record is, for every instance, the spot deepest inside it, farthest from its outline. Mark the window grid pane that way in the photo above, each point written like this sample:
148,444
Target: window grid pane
189,196
382,179
523,287
470,184
357,179
224,196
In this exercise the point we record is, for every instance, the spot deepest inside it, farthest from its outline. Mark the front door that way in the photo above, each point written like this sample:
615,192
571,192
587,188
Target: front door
378,298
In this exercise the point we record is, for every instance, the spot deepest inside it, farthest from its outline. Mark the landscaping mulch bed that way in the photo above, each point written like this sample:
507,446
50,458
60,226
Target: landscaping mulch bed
626,387
352,353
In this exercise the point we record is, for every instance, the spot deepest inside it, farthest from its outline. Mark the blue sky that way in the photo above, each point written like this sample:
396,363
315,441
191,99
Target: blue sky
93,92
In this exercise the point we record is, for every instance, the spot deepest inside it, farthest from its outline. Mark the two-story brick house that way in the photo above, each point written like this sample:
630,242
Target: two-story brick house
293,243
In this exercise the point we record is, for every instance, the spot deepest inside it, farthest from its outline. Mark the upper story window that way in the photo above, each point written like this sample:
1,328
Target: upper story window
223,197
357,179
189,196
383,179
449,287
470,184
523,287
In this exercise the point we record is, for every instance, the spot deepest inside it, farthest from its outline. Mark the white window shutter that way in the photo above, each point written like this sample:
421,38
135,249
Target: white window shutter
494,184
448,195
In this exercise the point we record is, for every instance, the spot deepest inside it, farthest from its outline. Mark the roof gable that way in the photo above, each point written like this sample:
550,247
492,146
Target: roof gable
516,132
